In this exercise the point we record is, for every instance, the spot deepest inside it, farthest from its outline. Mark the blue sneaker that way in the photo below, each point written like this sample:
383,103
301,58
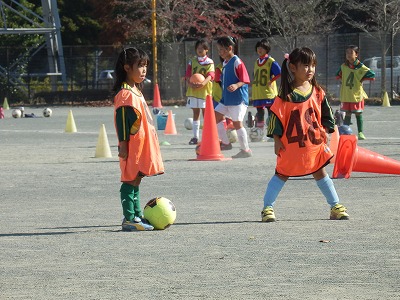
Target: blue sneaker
136,225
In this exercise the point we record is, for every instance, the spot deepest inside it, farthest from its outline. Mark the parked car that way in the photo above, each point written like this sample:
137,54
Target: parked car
106,82
373,88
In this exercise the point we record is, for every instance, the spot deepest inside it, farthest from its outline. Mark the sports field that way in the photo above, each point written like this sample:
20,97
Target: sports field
60,216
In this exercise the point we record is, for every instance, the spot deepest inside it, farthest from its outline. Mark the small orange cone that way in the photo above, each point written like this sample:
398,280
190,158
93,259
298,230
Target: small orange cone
170,126
350,158
210,148
156,97
334,142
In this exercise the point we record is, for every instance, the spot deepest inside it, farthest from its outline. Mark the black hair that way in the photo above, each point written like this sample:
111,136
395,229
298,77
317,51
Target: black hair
263,44
302,55
203,43
355,48
128,56
227,41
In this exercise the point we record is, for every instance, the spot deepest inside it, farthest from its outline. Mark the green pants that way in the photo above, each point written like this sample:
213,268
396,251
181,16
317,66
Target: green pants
130,201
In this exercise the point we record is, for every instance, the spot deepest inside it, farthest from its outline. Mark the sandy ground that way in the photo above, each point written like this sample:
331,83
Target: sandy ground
60,234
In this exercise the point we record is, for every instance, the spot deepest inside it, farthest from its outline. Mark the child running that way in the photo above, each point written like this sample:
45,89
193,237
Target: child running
197,92
352,73
138,147
263,87
235,97
299,122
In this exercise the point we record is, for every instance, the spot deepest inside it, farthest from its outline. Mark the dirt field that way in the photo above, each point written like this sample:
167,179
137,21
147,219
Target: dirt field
60,216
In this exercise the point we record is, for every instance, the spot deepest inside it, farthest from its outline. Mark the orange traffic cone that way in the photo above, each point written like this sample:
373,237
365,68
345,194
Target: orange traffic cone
156,97
350,158
210,148
170,126
334,142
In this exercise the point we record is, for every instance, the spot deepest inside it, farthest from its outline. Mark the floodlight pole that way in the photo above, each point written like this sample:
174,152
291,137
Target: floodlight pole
154,39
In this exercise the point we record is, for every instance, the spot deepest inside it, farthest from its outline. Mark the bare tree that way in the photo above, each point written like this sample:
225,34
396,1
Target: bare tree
290,20
178,19
383,21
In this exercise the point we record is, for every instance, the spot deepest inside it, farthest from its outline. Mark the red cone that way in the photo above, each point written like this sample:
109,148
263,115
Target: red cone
350,158
156,97
170,127
210,148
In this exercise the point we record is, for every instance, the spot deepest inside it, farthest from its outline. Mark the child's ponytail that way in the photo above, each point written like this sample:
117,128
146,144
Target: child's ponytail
119,72
286,78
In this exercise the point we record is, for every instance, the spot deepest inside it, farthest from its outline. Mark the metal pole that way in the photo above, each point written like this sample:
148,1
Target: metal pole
391,65
154,39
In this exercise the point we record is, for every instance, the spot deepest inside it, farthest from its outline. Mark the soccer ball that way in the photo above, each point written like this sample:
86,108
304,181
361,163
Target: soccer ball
197,149
345,130
197,78
156,111
256,134
47,112
188,123
232,135
160,212
16,113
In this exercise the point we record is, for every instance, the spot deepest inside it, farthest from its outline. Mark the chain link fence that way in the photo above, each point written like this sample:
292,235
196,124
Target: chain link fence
24,77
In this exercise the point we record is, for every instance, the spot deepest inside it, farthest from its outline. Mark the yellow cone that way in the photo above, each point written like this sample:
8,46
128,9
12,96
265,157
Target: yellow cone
385,100
5,104
70,127
103,147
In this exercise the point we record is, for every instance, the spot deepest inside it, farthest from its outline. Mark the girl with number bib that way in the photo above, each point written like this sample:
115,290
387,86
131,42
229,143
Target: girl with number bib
352,73
198,92
300,120
138,147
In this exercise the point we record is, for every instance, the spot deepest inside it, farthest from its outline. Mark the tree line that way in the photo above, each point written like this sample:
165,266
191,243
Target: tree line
119,22
122,22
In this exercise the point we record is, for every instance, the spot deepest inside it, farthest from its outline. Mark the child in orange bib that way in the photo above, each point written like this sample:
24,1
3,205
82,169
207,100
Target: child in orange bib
138,147
300,120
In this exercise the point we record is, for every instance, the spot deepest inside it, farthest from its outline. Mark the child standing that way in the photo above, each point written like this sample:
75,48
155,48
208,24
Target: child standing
263,87
235,97
352,94
138,147
299,122
198,92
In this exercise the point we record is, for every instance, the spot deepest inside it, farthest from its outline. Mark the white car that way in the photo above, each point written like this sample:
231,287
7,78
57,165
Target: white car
106,80
373,88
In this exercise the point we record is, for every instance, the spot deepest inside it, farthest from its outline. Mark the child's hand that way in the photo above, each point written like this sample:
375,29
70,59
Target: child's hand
198,85
232,87
123,150
278,145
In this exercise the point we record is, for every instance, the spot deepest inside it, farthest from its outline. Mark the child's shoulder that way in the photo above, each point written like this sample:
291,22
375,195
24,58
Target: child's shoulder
208,61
